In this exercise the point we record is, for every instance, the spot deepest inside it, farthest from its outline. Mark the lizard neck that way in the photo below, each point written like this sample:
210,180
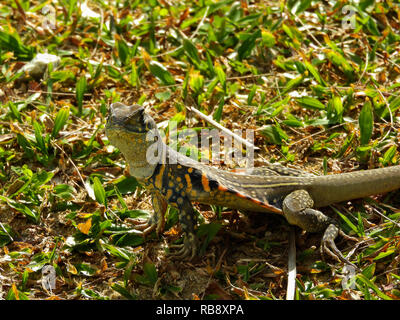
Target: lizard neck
143,151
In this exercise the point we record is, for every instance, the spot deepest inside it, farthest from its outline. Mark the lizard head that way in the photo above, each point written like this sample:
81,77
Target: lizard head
134,133
130,118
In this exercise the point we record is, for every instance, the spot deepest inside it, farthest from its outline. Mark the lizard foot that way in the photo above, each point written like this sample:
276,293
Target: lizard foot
145,227
297,209
186,250
328,245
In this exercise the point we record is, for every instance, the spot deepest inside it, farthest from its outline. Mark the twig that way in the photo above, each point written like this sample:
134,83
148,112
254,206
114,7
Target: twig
191,37
366,64
390,60
250,76
389,110
217,267
319,132
99,31
243,290
89,192
59,93
5,230
385,217
308,31
223,129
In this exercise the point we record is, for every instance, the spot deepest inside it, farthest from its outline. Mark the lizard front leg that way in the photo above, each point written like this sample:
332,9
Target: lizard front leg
157,220
187,219
297,209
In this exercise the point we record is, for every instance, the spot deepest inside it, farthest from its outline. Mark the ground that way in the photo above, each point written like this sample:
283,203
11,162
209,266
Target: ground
316,81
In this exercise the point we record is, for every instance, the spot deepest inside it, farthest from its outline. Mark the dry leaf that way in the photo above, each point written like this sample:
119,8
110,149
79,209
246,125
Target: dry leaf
85,226
15,290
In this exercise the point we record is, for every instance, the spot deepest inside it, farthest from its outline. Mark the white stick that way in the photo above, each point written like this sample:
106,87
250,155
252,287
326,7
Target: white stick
227,131
291,285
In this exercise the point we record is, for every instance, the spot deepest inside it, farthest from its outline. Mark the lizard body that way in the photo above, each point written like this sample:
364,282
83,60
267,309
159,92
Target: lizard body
288,192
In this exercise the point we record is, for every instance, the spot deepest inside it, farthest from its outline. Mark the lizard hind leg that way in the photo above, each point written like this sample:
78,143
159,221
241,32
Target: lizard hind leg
297,209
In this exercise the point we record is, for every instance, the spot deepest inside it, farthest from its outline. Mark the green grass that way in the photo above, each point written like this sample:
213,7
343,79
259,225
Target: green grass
320,97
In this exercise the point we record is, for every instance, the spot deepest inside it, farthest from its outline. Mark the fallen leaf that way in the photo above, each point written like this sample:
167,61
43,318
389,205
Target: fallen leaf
84,227
15,290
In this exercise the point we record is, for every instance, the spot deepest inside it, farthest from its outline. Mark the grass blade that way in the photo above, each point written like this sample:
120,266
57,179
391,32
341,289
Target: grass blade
99,191
310,103
161,73
221,75
60,121
39,137
191,52
81,87
366,123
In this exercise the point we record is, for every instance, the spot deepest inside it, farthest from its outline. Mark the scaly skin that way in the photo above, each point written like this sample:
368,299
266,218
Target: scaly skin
275,189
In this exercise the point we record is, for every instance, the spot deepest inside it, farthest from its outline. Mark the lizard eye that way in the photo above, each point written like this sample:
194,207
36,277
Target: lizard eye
136,120
149,122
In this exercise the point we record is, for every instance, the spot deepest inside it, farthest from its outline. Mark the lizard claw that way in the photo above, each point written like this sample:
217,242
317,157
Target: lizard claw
186,250
328,245
145,227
